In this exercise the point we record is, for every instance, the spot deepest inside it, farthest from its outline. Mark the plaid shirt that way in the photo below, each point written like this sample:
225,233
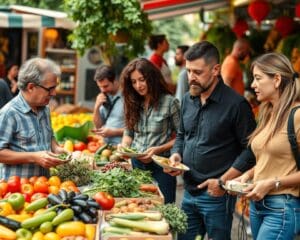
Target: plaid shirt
22,130
156,125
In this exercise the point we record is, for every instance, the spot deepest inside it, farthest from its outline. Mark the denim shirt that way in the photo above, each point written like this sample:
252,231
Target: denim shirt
22,130
213,135
116,117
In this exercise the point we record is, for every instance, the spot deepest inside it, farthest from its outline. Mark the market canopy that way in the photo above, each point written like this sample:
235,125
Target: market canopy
16,16
158,9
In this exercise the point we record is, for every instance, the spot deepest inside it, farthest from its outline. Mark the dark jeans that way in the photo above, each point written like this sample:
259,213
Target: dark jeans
207,214
275,217
166,183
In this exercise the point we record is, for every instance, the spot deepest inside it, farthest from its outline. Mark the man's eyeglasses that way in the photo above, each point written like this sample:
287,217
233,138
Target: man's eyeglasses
50,89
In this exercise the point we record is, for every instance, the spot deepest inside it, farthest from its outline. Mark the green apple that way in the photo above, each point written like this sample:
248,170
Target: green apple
16,200
23,233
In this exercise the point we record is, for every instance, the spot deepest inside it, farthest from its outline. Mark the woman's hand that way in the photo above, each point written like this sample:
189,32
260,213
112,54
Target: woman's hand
260,189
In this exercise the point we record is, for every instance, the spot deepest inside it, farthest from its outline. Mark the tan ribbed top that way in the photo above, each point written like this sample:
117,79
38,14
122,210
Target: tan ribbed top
276,159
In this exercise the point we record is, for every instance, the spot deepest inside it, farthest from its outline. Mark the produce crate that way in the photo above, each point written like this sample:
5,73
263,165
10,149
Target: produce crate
144,236
159,197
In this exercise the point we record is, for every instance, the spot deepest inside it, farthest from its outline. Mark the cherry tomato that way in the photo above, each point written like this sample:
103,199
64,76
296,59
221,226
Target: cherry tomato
14,184
37,196
79,146
40,187
105,200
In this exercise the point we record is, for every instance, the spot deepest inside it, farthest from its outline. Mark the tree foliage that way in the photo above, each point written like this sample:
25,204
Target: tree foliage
46,4
98,21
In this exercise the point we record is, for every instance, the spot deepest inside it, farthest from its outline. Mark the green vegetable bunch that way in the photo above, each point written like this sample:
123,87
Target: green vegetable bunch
79,172
174,216
118,182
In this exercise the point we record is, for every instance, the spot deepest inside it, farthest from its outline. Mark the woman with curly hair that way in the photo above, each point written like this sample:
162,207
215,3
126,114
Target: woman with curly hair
151,119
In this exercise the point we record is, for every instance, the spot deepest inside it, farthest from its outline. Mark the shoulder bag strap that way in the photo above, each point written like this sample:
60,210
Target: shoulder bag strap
292,136
111,108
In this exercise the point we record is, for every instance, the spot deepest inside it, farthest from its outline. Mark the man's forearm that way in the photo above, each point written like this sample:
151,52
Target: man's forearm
97,118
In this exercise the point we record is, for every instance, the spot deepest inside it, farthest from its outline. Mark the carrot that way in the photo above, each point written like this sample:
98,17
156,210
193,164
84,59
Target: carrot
148,188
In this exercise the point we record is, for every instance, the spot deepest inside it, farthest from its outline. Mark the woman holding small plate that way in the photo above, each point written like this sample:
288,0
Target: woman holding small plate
151,120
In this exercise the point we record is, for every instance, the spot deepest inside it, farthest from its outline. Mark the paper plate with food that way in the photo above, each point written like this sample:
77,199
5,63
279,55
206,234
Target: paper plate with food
166,163
130,152
236,187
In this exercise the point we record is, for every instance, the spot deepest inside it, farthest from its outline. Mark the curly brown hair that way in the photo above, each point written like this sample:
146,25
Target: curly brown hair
133,102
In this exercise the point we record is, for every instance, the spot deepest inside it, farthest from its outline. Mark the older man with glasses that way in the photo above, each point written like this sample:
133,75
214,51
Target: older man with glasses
27,144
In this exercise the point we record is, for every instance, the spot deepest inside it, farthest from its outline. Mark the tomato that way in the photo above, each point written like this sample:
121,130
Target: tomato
33,179
14,184
3,188
54,181
40,187
42,179
24,180
93,146
27,197
27,188
37,196
105,200
79,146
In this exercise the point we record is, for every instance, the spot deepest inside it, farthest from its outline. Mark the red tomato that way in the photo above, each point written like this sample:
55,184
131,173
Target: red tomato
42,179
24,180
105,200
27,197
3,188
27,188
37,196
93,146
40,187
33,179
14,184
79,146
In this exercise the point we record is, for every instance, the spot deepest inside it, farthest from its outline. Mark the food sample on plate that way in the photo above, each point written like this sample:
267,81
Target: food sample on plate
235,186
166,163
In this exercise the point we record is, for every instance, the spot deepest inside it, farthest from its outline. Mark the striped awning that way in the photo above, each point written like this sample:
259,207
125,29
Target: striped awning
159,9
28,17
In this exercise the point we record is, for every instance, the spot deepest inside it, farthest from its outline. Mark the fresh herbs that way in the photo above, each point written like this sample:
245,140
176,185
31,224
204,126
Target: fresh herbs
174,216
119,182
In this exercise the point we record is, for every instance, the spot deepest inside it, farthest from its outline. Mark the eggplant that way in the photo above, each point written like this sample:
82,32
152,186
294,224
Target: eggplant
80,203
10,223
81,197
63,195
85,217
93,203
77,209
54,199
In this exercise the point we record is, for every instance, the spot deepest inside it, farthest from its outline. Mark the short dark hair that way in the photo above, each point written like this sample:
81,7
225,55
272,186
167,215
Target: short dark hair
103,72
154,40
183,48
205,50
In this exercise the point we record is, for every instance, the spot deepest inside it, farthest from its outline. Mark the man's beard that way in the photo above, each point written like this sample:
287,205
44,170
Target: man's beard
178,63
196,90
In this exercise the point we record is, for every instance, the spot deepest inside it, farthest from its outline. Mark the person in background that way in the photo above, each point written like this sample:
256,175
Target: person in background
182,82
215,122
12,71
160,45
275,192
108,110
5,94
151,119
231,71
27,144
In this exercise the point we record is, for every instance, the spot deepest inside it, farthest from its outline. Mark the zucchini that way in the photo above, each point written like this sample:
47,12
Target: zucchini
100,149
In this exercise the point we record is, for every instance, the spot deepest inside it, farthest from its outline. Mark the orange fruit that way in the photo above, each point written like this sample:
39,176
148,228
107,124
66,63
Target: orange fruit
54,181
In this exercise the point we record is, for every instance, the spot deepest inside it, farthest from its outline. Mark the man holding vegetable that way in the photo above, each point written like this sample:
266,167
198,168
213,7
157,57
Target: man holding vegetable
215,122
27,144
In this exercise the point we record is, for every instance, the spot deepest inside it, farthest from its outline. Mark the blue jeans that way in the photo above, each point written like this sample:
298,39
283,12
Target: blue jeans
275,217
207,214
166,182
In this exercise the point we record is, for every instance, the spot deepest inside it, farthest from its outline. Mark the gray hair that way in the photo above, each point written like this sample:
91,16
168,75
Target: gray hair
34,71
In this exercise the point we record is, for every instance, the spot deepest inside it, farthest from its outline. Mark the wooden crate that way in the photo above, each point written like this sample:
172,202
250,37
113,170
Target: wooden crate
127,237
159,197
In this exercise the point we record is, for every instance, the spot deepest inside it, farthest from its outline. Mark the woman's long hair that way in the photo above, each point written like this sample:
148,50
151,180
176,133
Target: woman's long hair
133,102
289,93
